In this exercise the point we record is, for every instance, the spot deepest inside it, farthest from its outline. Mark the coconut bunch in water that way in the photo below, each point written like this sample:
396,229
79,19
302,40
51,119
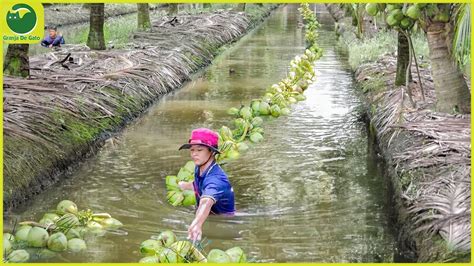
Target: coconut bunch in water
166,248
63,229
175,195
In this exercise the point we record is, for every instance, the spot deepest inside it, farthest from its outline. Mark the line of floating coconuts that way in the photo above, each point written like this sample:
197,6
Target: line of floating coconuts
166,248
247,126
61,230
276,102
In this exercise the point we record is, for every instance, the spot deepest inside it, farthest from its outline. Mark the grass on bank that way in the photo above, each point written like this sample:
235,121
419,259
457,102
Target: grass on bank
383,42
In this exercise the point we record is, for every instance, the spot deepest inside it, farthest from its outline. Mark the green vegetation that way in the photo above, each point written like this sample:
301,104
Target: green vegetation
383,42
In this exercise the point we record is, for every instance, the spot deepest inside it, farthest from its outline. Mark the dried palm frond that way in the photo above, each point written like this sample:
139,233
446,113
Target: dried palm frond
447,213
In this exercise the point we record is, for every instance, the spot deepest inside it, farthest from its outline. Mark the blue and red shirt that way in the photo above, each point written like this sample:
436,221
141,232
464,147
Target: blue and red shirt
215,185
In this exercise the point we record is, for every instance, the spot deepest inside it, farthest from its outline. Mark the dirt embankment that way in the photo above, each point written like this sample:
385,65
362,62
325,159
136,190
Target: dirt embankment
427,153
76,98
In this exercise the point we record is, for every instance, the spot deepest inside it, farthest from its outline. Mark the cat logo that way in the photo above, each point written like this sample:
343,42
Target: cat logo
21,19
22,23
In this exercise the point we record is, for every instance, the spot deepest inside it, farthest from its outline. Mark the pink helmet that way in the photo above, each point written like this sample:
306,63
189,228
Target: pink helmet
205,137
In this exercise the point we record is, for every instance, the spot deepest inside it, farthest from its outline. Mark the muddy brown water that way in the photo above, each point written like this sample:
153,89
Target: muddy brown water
313,191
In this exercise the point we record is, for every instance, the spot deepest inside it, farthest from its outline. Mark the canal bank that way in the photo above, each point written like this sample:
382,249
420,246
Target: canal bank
427,154
76,99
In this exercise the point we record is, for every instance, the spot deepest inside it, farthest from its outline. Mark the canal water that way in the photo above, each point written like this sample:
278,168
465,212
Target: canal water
312,191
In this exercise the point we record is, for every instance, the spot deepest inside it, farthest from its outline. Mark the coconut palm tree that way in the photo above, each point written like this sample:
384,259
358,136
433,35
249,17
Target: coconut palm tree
96,40
462,34
143,16
16,60
240,7
451,89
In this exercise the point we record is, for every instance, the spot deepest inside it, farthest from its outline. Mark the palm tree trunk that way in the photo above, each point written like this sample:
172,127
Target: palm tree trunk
143,16
172,9
95,40
403,54
240,7
452,93
16,60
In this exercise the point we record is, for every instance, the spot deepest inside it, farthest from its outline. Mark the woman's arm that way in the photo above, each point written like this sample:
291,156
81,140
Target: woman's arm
195,229
185,185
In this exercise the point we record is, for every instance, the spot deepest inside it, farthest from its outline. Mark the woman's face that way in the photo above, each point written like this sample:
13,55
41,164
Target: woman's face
199,154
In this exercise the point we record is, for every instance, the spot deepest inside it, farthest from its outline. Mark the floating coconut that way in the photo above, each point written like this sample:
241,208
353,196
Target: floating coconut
189,198
168,256
111,223
57,242
151,247
22,233
149,259
167,238
172,182
236,255
218,256
19,255
76,245
66,206
256,137
37,237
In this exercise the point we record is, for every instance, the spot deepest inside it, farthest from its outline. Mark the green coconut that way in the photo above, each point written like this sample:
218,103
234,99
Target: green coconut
292,100
241,146
111,223
183,174
38,237
182,249
236,255
414,12
257,121
45,253
151,247
57,242
246,112
172,182
22,233
397,14
51,216
76,245
189,198
256,137
66,206
391,21
168,256
73,233
68,220
94,226
233,111
285,111
149,259
275,110
189,166
167,238
175,198
300,97
46,221
9,237
19,255
218,256
257,129
406,23
372,9
255,105
7,245
232,154
264,108
239,123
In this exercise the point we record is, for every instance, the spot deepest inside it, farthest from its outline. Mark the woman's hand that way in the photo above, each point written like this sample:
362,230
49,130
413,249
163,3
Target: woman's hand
195,229
185,185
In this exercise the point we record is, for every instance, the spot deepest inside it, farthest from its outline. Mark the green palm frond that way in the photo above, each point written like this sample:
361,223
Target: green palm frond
462,34
447,213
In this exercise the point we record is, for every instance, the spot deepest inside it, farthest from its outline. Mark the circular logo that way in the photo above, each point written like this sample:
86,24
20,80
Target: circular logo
21,19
